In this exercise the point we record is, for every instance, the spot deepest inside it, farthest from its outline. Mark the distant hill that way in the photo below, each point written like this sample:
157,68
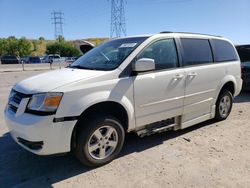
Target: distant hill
96,41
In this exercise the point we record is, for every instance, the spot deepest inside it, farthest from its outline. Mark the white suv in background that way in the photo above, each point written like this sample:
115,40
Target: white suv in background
53,58
146,84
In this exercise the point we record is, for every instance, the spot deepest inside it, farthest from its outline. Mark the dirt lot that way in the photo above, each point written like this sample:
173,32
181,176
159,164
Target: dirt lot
211,154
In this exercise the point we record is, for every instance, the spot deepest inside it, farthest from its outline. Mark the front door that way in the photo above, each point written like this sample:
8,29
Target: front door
159,94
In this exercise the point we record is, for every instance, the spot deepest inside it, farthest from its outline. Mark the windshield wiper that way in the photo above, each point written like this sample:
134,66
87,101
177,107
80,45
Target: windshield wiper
81,67
75,66
78,67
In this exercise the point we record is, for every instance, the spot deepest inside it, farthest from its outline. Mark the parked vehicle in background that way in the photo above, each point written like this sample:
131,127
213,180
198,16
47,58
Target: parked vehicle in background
34,59
54,58
10,59
146,84
70,59
42,58
24,59
244,53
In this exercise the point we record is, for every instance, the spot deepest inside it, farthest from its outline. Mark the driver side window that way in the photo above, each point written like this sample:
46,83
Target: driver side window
163,52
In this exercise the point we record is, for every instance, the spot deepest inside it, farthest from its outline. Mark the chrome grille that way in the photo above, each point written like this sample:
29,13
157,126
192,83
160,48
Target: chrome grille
15,99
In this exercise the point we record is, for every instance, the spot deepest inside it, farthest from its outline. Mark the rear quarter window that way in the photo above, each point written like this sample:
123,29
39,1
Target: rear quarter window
224,51
196,51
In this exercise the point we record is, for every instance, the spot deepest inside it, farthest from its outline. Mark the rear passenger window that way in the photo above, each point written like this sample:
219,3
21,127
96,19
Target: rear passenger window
224,51
163,52
196,51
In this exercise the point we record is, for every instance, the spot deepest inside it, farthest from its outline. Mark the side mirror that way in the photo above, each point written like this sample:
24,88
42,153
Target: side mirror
144,64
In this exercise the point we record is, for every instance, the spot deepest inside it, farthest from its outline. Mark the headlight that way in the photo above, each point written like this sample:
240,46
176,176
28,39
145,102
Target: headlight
45,102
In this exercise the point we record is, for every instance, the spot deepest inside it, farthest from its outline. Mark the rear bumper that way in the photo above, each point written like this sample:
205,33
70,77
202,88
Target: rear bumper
39,134
239,87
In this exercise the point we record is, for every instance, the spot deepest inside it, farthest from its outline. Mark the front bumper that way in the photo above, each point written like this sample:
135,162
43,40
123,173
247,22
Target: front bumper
28,130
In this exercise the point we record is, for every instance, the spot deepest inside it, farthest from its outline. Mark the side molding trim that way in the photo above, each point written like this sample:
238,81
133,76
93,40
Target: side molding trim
69,118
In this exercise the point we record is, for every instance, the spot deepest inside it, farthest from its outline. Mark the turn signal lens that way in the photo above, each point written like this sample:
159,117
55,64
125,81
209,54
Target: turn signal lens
52,101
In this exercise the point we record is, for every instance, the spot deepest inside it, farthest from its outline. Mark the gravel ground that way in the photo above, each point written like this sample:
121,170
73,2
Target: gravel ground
211,154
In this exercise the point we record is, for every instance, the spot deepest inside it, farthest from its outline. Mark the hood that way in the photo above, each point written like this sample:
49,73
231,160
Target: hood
53,79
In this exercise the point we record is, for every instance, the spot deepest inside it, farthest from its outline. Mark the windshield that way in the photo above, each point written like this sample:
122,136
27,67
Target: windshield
109,55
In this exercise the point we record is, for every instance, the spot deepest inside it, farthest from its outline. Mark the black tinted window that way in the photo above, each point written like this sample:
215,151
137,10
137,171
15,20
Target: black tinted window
224,51
196,51
9,57
163,52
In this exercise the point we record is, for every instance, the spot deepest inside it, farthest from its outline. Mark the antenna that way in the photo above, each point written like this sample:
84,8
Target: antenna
118,26
57,17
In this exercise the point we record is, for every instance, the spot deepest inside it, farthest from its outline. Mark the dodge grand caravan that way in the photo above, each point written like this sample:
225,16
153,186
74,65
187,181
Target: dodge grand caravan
145,84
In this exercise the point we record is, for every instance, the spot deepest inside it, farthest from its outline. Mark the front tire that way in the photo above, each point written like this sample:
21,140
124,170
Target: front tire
224,105
99,140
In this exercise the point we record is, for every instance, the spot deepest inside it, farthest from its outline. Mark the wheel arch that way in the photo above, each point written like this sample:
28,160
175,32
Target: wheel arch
228,83
229,86
114,108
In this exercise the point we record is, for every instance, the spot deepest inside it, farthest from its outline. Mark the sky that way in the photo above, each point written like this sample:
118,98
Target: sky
91,18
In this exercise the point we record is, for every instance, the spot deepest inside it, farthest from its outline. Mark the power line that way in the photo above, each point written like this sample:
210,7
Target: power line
57,17
118,25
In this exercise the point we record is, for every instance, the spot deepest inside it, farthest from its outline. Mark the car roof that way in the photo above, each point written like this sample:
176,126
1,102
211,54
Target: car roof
180,34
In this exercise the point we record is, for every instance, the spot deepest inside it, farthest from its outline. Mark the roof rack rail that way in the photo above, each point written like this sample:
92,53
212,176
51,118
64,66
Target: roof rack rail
189,33
166,32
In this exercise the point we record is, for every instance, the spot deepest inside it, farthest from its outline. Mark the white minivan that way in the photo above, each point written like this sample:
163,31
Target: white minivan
145,84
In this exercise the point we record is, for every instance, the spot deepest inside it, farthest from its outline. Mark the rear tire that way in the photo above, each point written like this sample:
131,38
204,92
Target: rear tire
224,105
99,140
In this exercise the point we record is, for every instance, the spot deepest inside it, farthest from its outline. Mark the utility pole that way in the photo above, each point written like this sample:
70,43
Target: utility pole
118,25
57,20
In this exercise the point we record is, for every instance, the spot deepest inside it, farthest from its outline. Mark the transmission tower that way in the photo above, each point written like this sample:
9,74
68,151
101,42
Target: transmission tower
57,20
118,26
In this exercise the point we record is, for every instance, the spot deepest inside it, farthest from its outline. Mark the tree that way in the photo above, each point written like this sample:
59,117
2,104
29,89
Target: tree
2,46
53,48
39,47
24,47
12,46
60,39
62,48
41,38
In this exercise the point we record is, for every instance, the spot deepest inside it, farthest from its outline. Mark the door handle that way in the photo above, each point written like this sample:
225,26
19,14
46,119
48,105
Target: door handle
178,76
192,74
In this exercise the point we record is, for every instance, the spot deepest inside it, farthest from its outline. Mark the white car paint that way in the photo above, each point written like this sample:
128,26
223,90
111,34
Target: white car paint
163,99
53,79
189,93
